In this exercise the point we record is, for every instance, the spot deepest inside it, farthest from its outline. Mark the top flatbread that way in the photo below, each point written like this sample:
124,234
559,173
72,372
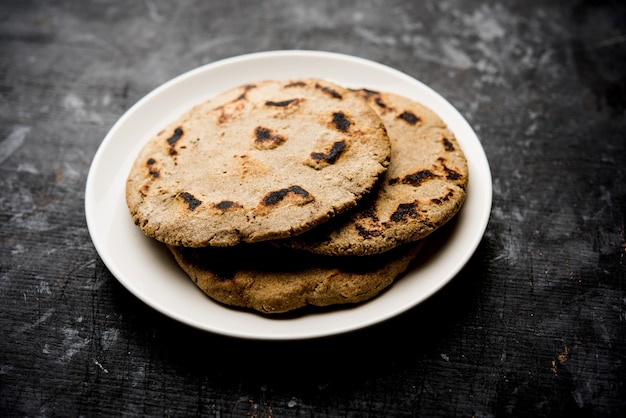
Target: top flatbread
262,161
423,188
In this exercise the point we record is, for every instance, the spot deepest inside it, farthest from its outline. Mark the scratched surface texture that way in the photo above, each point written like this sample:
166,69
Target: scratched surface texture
533,326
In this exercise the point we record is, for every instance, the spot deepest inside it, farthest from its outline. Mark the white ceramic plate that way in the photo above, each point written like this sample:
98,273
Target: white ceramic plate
145,268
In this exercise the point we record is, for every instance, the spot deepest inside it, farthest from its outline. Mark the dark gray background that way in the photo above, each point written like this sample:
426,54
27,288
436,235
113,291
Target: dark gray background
533,326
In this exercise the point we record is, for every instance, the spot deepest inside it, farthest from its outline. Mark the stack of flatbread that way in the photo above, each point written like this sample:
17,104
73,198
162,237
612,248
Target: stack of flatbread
280,194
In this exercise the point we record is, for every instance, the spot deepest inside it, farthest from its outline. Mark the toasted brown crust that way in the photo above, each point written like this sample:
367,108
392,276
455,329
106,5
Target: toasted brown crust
424,187
262,161
272,280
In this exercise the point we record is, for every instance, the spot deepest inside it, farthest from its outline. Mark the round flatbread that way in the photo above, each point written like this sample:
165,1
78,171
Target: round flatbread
272,280
423,188
262,161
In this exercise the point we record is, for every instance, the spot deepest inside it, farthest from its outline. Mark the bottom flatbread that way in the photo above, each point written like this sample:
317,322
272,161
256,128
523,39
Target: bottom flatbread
271,280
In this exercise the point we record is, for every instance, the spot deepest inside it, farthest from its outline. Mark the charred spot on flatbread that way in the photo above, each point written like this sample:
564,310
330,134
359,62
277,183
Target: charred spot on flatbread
409,117
283,103
266,138
295,193
298,83
229,111
366,93
368,224
442,199
447,144
329,91
321,159
452,174
190,200
341,122
414,179
154,171
226,205
172,140
405,211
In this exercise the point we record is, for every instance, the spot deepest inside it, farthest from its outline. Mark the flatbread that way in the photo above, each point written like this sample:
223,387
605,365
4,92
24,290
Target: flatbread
262,161
272,280
423,188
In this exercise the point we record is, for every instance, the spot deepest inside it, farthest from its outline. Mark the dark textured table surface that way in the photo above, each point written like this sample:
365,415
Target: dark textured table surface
532,326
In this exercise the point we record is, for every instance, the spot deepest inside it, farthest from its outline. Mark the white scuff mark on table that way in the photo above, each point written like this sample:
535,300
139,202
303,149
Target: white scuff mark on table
97,363
35,222
484,24
92,40
72,343
203,49
310,16
6,369
27,168
73,102
77,105
18,249
70,172
516,214
375,38
153,12
109,337
138,376
444,52
445,357
13,142
508,253
456,57
42,318
105,100
43,288
357,16
532,129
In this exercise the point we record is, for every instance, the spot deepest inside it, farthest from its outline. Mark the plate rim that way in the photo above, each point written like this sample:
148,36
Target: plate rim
482,223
